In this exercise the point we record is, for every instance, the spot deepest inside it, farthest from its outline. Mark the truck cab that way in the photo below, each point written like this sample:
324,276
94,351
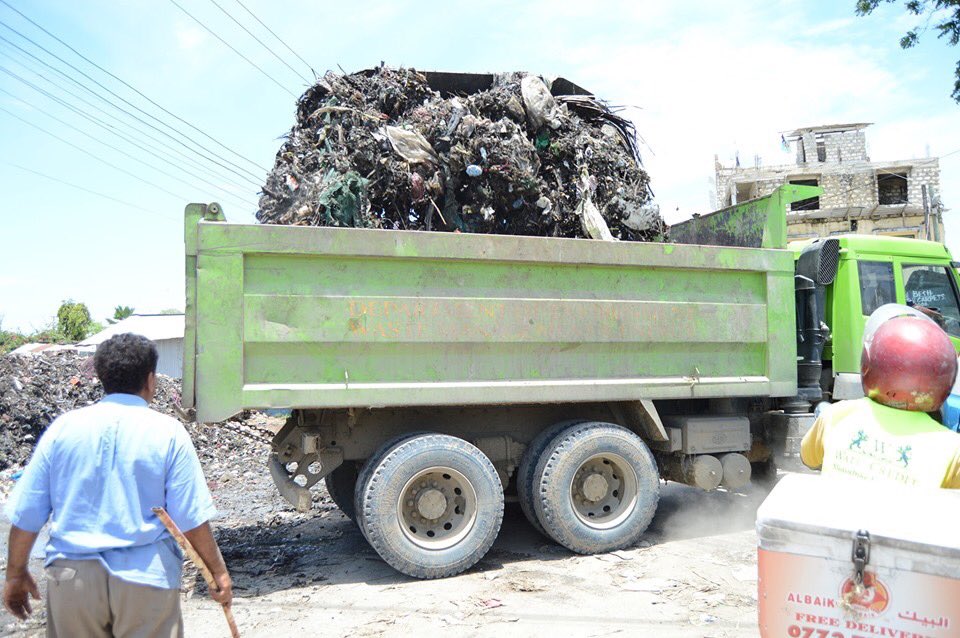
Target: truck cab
876,270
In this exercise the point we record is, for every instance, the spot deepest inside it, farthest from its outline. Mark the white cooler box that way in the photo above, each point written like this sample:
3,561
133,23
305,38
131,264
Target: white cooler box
818,534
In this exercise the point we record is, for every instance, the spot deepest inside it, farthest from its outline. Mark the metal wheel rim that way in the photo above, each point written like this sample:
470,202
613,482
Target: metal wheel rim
458,516
619,499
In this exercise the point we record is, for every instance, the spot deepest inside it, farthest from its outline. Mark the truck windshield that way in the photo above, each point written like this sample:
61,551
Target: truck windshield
930,287
877,286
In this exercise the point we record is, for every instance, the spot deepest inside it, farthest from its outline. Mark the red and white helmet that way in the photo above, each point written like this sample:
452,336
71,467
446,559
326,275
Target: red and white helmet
908,361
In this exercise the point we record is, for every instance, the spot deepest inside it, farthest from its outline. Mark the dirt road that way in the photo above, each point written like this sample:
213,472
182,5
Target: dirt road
694,575
299,574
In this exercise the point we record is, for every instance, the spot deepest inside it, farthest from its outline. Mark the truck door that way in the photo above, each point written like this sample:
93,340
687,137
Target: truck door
932,286
877,286
896,279
876,282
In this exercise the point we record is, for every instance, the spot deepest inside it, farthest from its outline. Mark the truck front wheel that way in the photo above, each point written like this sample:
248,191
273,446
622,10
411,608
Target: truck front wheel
596,487
431,506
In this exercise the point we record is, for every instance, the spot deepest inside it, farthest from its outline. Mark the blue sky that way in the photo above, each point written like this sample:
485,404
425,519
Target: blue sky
702,78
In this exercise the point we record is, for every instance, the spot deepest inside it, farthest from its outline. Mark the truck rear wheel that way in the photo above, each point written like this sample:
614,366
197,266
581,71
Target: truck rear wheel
341,484
525,488
431,506
596,487
367,470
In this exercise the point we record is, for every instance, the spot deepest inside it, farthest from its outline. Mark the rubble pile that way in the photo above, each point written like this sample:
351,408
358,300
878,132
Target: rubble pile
34,390
382,149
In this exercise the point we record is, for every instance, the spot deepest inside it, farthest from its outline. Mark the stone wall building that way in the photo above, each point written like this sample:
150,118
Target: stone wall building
859,196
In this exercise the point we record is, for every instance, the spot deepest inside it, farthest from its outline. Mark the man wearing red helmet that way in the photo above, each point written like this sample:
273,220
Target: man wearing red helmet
907,368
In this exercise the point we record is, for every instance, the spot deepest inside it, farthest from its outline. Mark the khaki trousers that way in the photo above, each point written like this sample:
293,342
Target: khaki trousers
83,599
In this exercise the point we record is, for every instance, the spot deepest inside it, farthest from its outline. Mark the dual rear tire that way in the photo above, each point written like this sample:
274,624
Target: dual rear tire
592,487
431,505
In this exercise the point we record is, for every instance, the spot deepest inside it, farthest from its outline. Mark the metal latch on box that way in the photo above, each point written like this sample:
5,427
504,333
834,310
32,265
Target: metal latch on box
860,555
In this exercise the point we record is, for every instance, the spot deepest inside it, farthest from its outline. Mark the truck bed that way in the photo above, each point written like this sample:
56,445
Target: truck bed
304,317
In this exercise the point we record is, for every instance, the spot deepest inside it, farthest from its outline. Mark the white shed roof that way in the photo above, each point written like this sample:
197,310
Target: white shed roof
153,327
38,348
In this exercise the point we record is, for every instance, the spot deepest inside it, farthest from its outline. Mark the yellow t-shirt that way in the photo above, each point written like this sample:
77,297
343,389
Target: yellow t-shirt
867,440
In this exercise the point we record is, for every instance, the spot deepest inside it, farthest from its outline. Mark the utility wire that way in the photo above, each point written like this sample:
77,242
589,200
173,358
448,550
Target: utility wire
230,46
249,175
170,150
251,34
91,191
152,151
93,155
122,99
279,39
133,88
110,129
110,146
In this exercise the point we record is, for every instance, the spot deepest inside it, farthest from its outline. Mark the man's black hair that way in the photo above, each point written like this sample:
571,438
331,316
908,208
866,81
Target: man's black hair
123,363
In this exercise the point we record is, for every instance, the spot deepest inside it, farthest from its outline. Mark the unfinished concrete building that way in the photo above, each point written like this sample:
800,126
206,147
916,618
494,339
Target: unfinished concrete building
898,198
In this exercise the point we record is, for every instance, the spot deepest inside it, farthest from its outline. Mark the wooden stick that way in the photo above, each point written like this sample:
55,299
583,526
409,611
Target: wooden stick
196,560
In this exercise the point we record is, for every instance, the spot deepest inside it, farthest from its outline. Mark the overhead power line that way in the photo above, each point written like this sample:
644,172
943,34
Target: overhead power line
133,88
91,191
252,35
115,148
151,152
93,155
279,39
249,175
206,168
231,47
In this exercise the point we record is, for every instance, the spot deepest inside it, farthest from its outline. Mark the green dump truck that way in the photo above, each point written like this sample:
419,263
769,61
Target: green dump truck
432,375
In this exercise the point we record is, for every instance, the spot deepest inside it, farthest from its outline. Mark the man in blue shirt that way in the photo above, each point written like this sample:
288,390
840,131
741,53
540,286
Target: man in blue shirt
96,473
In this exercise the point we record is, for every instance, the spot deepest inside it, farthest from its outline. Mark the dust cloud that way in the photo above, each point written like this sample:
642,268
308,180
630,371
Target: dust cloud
688,512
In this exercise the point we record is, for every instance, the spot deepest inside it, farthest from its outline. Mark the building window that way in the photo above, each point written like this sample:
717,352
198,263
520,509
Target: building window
892,188
876,285
931,288
821,151
746,191
811,203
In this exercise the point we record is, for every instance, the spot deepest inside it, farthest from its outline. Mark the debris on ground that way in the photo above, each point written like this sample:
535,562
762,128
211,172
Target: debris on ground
383,149
36,389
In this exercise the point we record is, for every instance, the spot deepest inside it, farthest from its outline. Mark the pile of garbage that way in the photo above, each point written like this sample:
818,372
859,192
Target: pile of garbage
383,149
36,389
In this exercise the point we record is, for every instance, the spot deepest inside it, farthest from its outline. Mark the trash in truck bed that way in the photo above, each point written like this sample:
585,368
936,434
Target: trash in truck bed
506,153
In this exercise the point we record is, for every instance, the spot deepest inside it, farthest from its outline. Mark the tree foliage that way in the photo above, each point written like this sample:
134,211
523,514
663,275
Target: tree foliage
74,322
946,17
10,340
120,313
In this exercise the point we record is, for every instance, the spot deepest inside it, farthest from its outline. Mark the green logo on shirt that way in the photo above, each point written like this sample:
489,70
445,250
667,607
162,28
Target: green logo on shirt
905,455
859,441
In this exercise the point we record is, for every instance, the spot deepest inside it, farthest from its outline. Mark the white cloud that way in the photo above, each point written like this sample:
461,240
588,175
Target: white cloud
706,93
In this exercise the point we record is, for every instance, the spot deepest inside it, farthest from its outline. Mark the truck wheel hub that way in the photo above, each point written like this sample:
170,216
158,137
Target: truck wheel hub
431,503
595,487
604,491
437,508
